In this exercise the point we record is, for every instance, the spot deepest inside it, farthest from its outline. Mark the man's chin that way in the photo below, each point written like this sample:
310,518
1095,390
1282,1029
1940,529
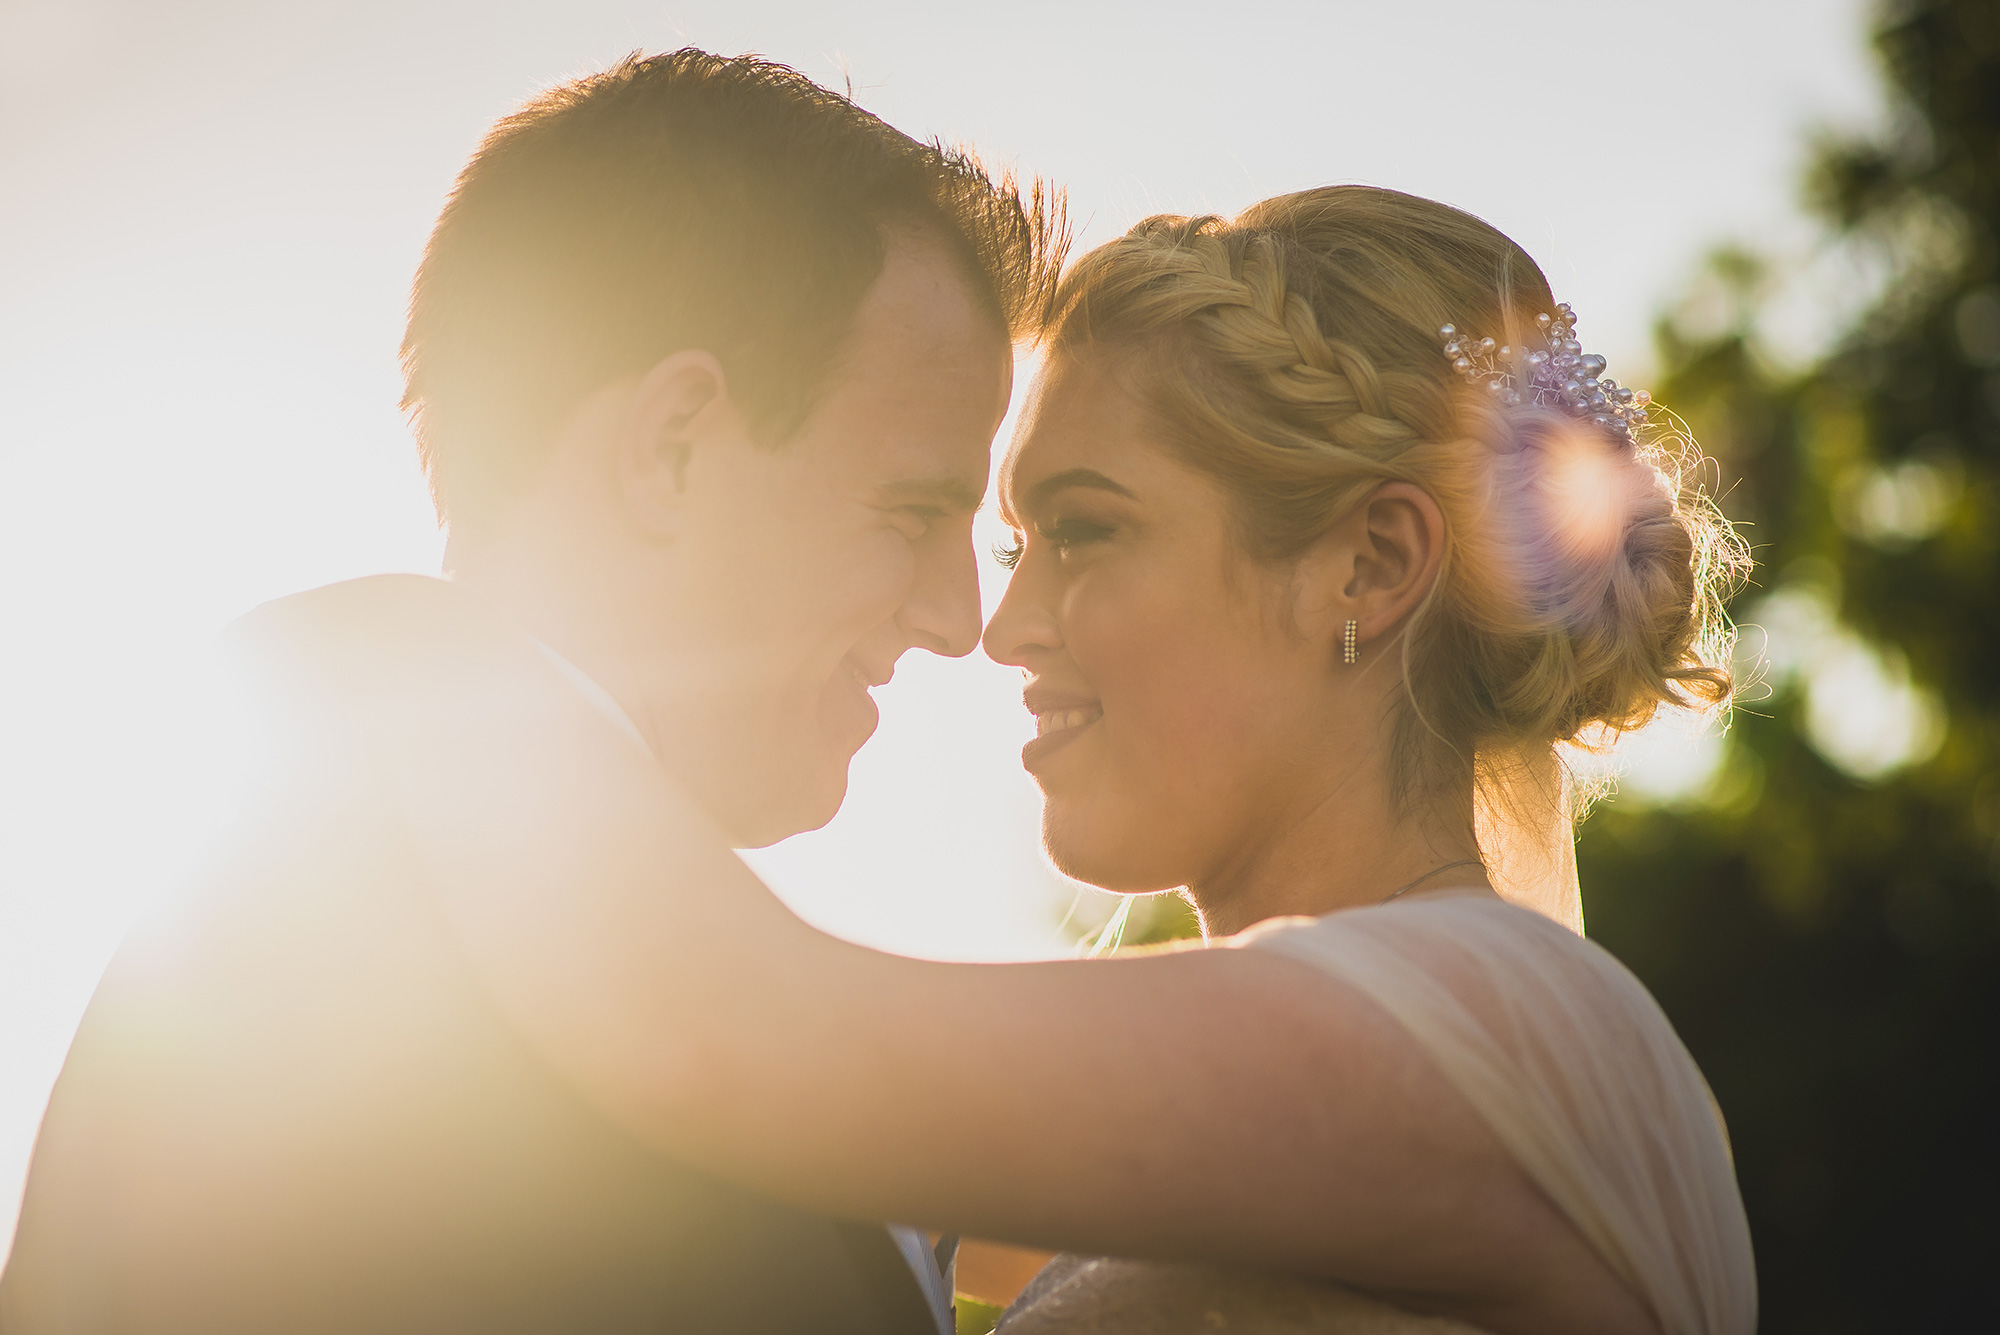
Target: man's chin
814,800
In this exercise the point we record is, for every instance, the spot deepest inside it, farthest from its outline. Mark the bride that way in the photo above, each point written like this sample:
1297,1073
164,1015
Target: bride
1298,606
1330,537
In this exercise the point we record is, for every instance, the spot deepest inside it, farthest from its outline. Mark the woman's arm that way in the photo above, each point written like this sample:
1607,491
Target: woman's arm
1218,1104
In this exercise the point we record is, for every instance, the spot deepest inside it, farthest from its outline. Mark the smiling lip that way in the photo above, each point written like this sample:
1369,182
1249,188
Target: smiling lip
1059,720
853,715
866,677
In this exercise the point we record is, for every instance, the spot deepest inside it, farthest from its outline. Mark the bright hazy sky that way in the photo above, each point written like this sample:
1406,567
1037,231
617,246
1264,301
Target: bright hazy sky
211,211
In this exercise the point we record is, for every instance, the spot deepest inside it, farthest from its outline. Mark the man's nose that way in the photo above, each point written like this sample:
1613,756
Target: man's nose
942,612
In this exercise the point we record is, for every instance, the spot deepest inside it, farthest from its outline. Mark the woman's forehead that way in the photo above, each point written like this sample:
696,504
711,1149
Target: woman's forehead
1076,415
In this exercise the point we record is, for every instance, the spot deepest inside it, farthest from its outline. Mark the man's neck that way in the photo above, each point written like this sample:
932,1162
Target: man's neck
620,638
584,620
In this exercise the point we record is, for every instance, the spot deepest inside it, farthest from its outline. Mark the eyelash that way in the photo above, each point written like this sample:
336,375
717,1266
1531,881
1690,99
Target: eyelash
1062,535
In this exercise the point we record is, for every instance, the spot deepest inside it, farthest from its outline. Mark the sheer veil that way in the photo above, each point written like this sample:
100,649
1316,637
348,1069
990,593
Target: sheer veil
1524,816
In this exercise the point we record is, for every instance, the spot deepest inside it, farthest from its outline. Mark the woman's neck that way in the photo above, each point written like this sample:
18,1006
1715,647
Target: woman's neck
1340,849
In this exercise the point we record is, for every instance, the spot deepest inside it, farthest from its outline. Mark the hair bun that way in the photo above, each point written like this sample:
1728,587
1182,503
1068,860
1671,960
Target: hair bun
1593,566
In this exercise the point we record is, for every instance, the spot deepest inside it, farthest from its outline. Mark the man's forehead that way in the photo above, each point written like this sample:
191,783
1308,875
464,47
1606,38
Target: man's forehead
919,386
902,453
954,491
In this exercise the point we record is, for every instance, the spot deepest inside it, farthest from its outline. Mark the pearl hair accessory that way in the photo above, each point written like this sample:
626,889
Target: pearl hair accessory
1559,375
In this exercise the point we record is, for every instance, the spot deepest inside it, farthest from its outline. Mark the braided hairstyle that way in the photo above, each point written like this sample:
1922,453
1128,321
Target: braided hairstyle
1293,355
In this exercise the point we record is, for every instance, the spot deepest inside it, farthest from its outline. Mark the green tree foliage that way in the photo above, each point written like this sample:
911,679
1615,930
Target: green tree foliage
1823,925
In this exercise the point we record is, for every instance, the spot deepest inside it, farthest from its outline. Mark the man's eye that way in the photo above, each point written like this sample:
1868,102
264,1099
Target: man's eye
915,520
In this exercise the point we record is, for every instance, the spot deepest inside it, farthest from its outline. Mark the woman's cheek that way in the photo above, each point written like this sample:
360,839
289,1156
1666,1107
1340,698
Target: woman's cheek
1128,615
1133,660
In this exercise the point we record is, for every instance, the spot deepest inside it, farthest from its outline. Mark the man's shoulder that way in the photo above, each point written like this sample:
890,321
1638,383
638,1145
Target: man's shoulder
374,606
379,636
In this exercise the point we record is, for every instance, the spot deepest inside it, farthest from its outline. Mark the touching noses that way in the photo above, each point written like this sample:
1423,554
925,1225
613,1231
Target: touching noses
1023,627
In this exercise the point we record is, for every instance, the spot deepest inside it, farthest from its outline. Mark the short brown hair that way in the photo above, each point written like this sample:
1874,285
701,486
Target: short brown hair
679,201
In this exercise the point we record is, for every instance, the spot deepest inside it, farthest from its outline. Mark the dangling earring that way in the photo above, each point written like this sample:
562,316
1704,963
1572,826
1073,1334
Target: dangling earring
1350,644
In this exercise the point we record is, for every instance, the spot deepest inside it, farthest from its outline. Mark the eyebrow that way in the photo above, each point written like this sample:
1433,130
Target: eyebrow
1039,494
954,494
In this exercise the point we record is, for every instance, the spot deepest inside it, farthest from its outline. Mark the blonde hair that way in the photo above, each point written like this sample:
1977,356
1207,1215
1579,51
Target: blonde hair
1293,355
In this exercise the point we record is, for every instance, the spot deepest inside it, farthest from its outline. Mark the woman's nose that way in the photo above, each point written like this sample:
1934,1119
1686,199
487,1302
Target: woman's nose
1023,625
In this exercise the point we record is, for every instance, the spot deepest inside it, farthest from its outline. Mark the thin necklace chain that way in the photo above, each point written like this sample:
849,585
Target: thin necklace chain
1434,871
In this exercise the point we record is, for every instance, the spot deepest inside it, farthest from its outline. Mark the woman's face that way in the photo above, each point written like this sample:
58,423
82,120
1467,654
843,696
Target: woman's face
1179,714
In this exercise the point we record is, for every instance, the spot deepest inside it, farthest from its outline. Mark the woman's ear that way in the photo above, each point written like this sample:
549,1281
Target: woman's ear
1372,568
681,413
1398,557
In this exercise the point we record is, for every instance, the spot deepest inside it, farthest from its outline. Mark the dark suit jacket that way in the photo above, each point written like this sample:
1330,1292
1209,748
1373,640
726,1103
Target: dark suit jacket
292,1109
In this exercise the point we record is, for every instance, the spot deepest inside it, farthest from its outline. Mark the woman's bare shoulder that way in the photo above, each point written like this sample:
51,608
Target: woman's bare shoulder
1083,1295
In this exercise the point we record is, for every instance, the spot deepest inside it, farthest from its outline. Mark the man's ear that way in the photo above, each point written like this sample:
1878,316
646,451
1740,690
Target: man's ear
1373,567
681,414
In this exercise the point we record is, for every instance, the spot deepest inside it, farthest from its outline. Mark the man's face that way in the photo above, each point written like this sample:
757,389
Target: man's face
814,566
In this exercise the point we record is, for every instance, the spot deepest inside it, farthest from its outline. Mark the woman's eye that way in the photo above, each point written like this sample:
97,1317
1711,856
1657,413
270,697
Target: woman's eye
1062,534
1065,534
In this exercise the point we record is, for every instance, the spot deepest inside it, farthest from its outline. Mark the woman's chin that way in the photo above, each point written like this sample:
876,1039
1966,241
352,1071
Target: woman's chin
1110,855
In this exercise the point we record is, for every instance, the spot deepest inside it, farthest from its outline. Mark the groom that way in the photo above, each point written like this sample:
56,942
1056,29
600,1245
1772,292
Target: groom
705,364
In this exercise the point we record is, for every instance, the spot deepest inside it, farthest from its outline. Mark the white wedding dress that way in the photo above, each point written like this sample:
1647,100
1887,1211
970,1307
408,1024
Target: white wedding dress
1565,1056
